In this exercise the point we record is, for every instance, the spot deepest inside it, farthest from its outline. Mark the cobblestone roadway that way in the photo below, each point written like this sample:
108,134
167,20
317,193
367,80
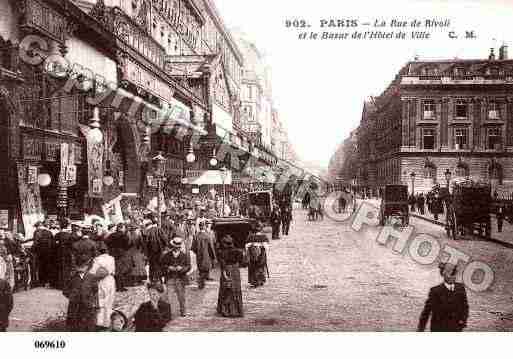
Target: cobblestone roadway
325,276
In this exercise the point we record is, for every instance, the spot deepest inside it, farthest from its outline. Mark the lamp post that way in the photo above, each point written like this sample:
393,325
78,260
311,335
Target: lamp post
223,177
448,175
159,170
412,175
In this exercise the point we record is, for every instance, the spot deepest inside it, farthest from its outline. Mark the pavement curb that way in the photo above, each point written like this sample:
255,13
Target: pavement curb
493,240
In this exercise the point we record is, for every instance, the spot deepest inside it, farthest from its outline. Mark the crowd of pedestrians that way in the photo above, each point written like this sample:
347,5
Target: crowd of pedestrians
91,262
432,201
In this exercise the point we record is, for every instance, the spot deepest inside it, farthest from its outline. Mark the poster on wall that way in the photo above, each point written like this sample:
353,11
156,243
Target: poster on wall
95,167
30,202
31,174
112,211
4,219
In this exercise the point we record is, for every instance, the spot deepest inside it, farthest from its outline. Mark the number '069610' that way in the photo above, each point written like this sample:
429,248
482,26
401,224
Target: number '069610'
296,23
49,344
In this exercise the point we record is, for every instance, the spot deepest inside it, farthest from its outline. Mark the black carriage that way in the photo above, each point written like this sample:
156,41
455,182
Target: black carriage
394,203
257,205
468,210
238,228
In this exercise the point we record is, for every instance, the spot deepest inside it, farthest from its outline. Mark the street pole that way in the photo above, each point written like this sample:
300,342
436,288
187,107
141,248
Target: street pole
159,204
224,195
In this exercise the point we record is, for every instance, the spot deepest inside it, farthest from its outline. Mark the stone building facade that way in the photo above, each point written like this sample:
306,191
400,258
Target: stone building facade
440,117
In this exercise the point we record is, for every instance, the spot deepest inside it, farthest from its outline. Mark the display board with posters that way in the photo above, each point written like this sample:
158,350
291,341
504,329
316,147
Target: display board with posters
30,201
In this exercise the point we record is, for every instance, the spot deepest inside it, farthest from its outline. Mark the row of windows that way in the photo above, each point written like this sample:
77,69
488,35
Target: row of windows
461,109
462,71
462,170
493,138
186,31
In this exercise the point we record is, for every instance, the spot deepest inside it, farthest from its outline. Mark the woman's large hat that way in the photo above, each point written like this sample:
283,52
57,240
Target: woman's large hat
227,241
176,242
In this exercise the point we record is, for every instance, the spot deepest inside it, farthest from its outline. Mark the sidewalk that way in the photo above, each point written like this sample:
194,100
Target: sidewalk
505,238
43,309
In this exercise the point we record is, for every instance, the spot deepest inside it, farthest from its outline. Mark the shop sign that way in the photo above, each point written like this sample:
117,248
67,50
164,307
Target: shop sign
32,148
97,186
147,81
95,168
42,18
30,202
76,153
71,175
62,197
52,151
31,174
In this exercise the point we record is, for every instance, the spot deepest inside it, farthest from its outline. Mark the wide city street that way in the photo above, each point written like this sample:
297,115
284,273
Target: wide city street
325,276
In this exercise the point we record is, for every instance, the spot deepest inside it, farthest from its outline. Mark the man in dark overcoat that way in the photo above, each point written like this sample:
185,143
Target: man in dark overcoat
82,293
118,247
286,218
446,304
204,250
44,248
275,222
155,240
6,304
84,250
64,242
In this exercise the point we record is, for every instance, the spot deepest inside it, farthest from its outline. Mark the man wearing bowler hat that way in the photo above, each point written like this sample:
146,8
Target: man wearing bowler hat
446,304
175,265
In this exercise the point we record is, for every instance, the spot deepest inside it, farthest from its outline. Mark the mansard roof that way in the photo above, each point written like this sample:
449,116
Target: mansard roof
475,67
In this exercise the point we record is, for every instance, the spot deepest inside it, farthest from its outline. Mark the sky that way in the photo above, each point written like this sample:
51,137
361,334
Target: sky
319,85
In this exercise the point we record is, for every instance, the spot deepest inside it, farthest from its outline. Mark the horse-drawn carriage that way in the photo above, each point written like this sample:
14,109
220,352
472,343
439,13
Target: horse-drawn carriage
468,210
238,228
394,204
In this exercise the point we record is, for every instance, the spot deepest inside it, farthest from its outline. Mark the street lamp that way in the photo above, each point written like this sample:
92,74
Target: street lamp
213,160
223,177
159,169
191,157
448,175
412,175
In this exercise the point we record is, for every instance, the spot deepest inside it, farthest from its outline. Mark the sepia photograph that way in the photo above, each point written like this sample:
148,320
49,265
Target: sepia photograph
240,166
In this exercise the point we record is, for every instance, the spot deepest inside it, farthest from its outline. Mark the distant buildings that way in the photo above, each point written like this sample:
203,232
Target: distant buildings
440,120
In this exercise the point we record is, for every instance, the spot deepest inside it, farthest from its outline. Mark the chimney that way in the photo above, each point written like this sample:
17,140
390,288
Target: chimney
492,54
503,52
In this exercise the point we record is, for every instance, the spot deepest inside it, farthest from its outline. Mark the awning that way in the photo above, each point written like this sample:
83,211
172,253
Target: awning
210,177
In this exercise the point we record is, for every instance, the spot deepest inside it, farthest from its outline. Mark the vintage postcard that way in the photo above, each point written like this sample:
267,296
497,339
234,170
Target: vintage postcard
255,166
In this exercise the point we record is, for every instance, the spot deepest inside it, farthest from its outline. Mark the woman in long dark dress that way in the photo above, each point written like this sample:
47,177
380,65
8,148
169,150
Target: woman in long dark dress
257,255
229,302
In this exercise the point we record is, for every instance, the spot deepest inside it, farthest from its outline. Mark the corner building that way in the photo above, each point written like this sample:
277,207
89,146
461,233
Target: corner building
438,116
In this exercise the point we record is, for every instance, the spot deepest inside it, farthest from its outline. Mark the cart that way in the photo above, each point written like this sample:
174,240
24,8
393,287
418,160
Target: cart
468,211
394,204
238,228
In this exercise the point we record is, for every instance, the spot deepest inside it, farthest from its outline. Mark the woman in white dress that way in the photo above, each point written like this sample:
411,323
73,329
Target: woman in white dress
106,286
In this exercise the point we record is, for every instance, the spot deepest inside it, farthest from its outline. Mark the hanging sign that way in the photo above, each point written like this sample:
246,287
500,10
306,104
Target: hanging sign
30,202
31,174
